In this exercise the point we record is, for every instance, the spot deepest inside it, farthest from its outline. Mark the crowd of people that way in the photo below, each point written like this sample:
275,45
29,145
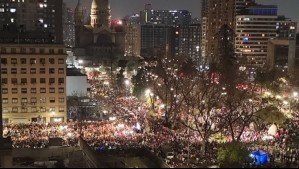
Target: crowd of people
131,128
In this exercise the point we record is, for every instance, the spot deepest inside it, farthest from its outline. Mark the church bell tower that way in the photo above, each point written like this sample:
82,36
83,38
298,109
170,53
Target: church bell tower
100,13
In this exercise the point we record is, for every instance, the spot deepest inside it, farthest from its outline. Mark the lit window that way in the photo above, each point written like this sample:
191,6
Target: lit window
13,10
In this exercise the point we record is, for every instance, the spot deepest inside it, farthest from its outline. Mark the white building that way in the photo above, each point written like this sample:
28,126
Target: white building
76,83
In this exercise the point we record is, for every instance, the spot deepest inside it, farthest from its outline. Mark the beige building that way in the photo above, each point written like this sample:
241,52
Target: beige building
33,82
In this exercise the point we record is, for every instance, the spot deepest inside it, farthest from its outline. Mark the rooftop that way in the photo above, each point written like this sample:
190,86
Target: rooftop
74,72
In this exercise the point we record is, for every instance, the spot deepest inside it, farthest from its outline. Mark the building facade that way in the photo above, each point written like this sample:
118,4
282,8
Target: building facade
33,82
219,13
133,40
253,31
215,14
187,42
165,17
33,16
156,38
76,83
68,27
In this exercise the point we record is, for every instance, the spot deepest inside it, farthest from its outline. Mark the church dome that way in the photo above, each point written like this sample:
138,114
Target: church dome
100,4
95,4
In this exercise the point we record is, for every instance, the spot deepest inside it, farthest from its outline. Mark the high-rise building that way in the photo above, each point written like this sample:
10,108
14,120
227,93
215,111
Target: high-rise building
241,5
68,27
156,38
187,42
253,31
203,38
32,16
132,40
165,17
33,82
133,19
282,50
286,28
217,13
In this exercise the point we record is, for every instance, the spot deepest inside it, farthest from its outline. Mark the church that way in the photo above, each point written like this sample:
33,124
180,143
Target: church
98,41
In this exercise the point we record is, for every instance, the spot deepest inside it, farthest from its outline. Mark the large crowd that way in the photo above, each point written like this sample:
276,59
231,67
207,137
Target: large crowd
131,128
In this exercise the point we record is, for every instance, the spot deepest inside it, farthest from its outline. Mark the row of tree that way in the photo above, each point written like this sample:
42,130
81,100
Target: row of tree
206,98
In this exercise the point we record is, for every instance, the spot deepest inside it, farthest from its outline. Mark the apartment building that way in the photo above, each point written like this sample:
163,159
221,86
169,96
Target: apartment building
33,82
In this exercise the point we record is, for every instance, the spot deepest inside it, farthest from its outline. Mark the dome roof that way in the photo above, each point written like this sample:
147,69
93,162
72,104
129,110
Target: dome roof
97,4
94,4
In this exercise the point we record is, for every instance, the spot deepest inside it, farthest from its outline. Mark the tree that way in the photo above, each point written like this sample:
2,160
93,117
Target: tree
139,82
233,155
201,106
270,115
163,77
296,107
270,79
238,111
226,61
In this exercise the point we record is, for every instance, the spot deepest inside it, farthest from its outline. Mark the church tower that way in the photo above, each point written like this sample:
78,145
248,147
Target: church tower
100,13
79,22
79,14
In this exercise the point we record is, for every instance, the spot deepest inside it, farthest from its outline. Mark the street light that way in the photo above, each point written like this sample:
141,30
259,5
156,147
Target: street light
148,92
295,94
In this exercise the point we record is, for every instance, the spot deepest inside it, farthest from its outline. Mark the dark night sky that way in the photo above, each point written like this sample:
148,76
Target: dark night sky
122,8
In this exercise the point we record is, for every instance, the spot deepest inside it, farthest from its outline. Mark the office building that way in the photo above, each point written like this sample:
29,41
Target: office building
253,31
165,17
286,28
187,42
156,38
241,5
33,82
282,49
